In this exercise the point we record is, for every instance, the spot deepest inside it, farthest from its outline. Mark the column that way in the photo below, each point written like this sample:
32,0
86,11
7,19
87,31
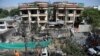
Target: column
29,18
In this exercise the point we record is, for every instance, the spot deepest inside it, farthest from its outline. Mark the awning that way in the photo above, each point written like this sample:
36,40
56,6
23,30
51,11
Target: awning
22,44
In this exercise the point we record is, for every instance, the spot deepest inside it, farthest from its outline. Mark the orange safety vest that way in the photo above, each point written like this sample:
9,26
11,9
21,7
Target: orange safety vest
17,54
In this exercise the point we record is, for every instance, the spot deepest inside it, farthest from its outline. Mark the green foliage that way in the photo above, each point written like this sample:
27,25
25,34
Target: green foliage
14,12
92,16
73,49
3,13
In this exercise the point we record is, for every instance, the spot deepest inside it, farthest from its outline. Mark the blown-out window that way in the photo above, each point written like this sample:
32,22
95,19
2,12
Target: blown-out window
24,11
33,18
2,27
42,17
33,11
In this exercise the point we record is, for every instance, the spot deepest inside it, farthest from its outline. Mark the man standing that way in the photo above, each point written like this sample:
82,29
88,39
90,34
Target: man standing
16,53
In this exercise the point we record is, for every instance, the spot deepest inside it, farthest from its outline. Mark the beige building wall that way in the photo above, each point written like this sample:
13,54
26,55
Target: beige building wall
33,14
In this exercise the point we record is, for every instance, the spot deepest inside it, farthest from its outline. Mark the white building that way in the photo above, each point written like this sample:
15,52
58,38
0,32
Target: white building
97,7
3,26
6,24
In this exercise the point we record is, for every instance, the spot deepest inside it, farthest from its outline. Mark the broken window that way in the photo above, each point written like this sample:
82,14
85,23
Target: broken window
2,27
70,11
61,11
77,19
33,18
33,11
78,11
42,17
42,11
68,19
24,11
25,18
1,22
61,17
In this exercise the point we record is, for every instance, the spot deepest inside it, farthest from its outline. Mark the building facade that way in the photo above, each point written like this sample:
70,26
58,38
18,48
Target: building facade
7,23
97,7
44,13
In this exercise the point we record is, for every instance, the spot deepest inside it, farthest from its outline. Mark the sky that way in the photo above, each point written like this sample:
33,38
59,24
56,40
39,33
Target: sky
13,3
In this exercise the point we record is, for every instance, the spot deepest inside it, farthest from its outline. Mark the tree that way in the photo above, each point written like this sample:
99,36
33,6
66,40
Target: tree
3,13
92,17
14,12
73,49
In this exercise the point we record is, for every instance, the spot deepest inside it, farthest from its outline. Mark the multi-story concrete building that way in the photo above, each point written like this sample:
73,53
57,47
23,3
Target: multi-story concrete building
35,12
7,24
67,12
43,12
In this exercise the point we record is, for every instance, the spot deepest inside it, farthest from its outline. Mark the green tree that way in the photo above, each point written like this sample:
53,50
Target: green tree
3,13
92,17
14,12
73,49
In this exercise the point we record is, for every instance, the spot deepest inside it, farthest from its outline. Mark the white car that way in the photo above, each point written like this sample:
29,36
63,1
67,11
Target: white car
44,52
94,51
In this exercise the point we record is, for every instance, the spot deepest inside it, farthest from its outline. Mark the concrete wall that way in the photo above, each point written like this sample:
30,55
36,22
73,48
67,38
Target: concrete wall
84,28
3,25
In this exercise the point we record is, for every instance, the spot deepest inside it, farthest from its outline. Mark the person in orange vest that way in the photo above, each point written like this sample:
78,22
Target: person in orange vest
16,53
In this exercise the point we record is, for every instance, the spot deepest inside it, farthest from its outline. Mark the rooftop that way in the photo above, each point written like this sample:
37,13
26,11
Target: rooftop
7,19
46,4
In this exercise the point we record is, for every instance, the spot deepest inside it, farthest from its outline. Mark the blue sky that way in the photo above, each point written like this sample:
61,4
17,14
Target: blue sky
12,3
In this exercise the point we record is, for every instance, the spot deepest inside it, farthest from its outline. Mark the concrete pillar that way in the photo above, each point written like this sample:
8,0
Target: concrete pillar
38,18
66,16
20,13
56,15
29,18
5,23
74,16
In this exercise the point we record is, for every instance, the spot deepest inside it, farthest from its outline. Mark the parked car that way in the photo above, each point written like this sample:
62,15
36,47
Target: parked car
94,51
92,45
44,52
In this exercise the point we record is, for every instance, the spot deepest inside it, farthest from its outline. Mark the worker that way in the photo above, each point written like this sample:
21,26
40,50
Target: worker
16,53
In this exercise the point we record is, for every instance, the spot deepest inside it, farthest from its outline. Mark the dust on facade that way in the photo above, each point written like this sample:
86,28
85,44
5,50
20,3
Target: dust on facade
57,14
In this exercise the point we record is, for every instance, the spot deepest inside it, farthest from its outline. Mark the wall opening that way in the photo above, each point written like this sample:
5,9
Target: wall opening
42,17
61,11
70,11
33,18
68,18
78,12
33,11
24,11
1,22
61,17
42,11
25,18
